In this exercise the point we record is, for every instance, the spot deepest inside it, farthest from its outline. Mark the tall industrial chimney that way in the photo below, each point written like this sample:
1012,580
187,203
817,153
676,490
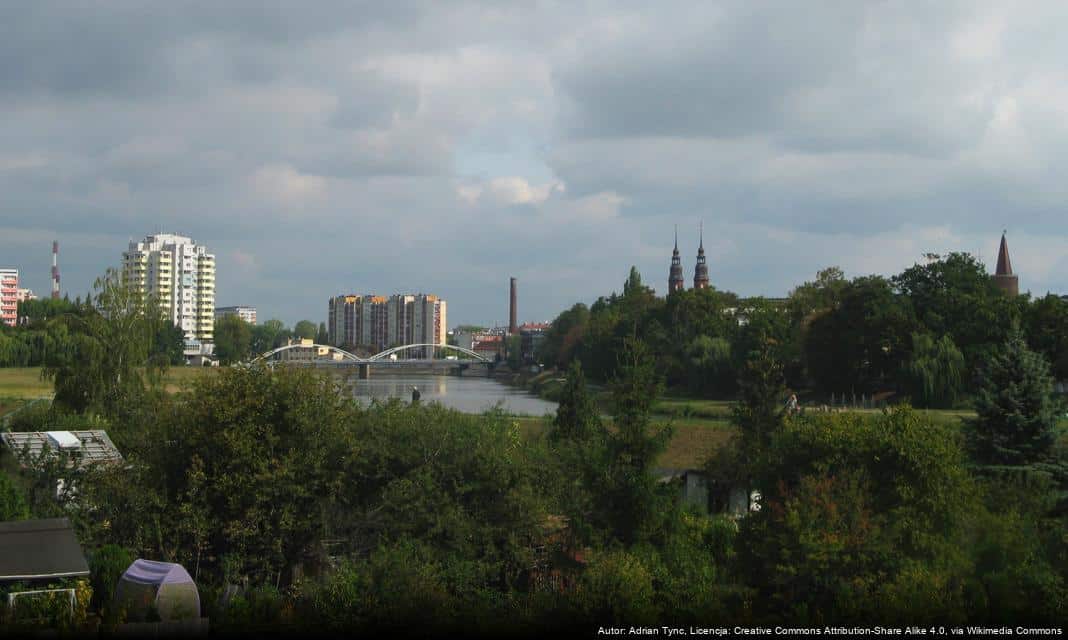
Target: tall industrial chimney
512,326
55,269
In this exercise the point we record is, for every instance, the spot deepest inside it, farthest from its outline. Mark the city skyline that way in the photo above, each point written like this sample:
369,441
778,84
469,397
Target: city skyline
557,145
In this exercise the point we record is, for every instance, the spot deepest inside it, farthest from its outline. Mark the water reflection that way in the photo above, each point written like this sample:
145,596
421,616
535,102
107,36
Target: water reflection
471,395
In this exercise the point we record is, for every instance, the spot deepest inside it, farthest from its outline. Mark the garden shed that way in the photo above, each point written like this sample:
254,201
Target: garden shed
150,590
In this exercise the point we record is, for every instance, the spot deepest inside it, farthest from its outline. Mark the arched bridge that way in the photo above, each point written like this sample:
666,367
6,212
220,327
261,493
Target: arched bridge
451,347
328,354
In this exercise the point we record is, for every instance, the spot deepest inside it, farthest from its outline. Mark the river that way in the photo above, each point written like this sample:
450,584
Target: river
470,395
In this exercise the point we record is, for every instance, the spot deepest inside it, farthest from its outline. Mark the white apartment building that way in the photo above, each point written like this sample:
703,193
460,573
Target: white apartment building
248,314
9,301
181,274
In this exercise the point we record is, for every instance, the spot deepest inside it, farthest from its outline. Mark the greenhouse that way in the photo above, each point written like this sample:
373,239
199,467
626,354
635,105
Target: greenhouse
157,591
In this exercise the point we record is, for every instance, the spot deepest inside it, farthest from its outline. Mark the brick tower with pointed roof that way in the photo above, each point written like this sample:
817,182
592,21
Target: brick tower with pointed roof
676,282
700,272
1004,278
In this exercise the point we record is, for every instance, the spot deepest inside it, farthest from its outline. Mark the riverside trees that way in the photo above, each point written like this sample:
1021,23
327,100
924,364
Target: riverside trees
923,333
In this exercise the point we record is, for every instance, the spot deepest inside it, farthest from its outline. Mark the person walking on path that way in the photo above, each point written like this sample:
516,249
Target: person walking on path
791,404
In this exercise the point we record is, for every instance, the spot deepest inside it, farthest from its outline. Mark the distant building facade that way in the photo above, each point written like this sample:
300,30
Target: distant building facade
248,314
532,335
378,322
9,297
25,294
181,274
306,351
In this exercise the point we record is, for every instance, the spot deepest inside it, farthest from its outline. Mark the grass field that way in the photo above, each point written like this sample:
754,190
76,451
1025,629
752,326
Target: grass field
20,384
23,383
693,442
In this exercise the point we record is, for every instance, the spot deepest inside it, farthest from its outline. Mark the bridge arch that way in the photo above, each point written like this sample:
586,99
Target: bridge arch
388,352
345,355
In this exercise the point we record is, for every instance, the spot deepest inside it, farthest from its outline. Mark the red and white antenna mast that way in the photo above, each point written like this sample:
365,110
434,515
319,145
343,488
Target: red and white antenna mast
55,269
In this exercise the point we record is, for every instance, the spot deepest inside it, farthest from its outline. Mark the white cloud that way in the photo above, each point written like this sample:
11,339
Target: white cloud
285,185
511,190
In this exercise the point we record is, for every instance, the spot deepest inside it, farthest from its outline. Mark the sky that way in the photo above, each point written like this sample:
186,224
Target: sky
442,147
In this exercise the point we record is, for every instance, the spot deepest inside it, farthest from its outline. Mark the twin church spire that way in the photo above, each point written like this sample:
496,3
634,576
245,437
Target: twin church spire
700,274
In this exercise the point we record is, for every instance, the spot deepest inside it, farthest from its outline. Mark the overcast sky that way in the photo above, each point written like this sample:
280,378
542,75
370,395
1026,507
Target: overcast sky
443,147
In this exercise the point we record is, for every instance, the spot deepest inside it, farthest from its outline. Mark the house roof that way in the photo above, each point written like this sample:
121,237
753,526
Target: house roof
535,326
90,447
40,549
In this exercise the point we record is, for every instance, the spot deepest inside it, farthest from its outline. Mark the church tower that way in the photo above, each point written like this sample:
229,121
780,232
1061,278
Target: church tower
1004,278
700,272
675,280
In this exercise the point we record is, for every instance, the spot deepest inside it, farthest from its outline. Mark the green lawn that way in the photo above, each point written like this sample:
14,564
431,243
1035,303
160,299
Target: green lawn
26,383
23,383
694,439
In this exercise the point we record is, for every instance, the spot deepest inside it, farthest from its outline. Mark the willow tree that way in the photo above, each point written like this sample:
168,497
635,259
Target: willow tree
936,370
109,361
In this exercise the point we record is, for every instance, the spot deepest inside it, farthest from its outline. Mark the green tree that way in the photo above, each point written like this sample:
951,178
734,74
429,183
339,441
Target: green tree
233,339
1046,324
107,365
106,566
269,335
239,465
578,438
935,369
618,589
759,411
954,295
631,502
861,344
819,295
709,361
861,518
12,500
169,344
305,330
322,336
577,418
1015,406
564,336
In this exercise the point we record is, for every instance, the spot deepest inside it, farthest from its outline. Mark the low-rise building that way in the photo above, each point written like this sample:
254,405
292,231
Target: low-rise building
532,335
246,313
306,351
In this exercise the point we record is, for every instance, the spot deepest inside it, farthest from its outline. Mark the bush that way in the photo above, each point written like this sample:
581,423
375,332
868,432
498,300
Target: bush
617,588
13,504
106,566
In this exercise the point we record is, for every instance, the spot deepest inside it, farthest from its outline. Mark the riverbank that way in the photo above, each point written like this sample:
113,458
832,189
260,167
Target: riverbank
548,385
700,426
